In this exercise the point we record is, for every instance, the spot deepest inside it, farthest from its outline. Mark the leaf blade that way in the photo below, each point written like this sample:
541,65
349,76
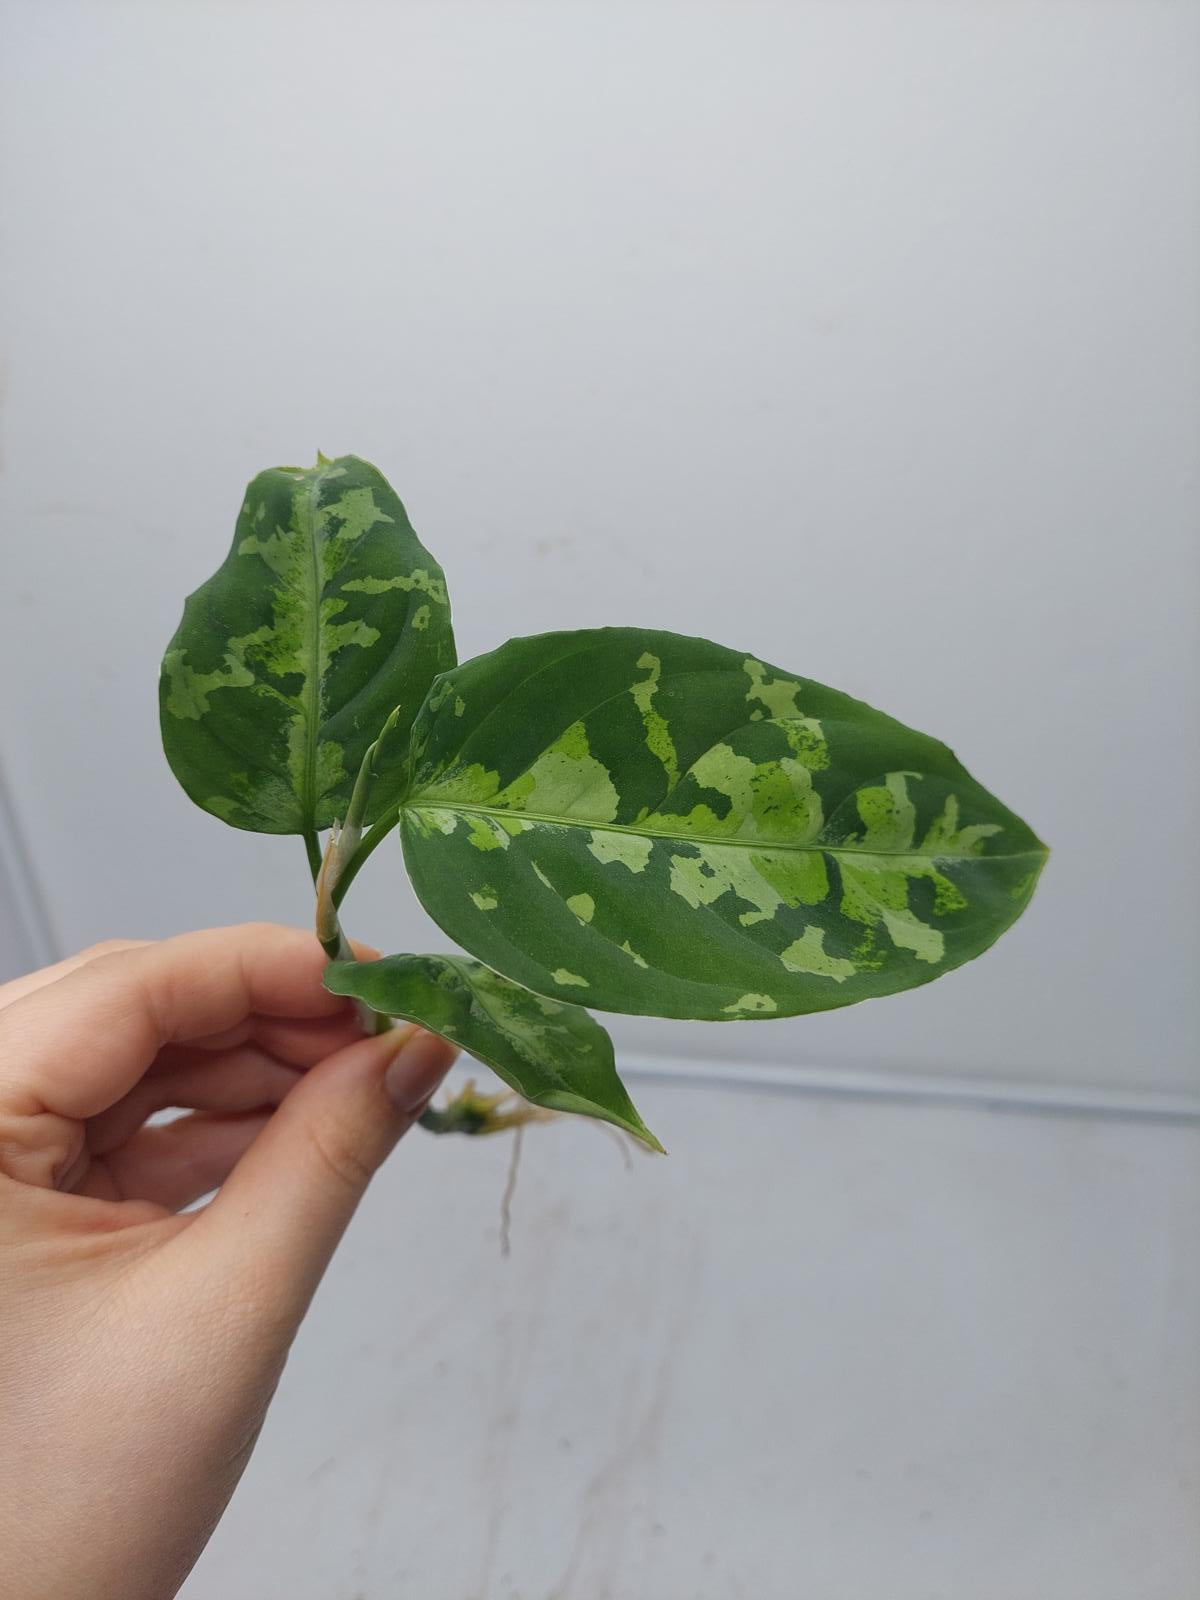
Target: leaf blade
326,615
657,824
553,1054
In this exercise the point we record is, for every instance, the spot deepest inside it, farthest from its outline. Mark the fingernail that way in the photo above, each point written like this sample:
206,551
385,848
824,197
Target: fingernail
420,1064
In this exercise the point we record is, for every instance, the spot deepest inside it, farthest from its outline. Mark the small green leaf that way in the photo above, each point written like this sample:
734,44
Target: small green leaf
650,823
553,1054
326,615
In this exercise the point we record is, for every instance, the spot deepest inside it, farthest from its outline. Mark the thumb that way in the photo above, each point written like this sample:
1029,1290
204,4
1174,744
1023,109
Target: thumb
286,1204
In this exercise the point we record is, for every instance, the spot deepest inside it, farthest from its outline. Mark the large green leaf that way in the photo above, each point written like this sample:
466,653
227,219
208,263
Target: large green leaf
553,1054
650,823
326,615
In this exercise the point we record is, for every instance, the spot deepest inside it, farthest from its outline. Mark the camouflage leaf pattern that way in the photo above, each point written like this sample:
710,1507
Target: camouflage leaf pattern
553,1054
327,614
649,823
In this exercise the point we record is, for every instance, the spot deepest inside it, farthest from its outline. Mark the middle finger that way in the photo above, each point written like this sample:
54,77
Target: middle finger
245,1078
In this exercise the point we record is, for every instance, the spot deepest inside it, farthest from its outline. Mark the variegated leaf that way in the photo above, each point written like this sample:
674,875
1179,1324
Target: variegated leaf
650,823
326,615
553,1054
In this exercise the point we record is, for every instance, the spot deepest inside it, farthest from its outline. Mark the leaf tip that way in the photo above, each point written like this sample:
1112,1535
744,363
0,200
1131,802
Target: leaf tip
643,1135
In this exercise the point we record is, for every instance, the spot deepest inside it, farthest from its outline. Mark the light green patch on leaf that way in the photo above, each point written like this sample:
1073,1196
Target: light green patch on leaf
582,905
766,799
187,691
779,696
484,833
702,879
485,899
569,979
340,634
808,954
632,850
945,837
889,814
440,691
564,778
799,878
750,1005
879,894
432,820
476,783
419,582
877,882
658,732
638,960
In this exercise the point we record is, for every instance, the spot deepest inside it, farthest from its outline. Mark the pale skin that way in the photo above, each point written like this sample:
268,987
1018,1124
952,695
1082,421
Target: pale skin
140,1347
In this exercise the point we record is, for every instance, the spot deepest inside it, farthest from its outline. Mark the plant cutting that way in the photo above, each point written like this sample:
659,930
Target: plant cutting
620,819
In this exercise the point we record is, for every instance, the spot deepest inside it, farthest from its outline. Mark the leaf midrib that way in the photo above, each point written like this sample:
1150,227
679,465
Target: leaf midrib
311,692
760,846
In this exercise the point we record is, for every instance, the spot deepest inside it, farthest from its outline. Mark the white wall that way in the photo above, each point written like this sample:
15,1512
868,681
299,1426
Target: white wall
862,334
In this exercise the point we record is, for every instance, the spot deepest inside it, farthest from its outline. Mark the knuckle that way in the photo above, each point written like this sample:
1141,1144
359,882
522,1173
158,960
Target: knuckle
263,932
106,947
42,1150
336,1153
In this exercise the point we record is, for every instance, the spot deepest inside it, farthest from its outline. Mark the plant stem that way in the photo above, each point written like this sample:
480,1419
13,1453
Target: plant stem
313,845
372,1021
375,834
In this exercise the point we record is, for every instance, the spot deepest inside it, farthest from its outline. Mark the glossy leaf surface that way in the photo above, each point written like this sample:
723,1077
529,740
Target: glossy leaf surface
650,823
326,615
553,1054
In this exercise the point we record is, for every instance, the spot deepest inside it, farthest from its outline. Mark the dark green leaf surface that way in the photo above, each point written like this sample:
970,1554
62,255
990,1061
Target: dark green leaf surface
649,823
552,1053
326,615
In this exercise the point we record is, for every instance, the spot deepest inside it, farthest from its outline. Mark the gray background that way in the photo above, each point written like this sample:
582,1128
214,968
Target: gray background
861,334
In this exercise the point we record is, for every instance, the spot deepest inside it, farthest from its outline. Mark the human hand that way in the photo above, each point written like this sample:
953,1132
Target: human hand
139,1348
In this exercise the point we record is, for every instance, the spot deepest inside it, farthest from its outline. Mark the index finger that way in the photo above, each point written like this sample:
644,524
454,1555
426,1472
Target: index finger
78,1044
18,988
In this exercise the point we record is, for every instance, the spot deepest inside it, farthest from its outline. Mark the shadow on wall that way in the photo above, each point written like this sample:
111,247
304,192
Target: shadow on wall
26,937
